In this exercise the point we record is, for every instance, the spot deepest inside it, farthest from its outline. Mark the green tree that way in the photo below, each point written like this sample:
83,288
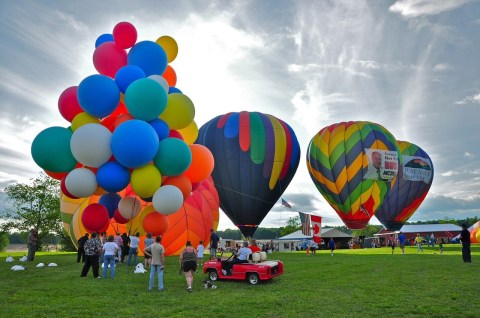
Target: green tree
293,224
3,241
368,231
33,205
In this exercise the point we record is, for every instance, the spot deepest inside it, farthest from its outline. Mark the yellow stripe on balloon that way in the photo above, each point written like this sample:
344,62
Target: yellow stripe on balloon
352,129
280,151
376,196
338,136
341,180
355,167
322,144
355,205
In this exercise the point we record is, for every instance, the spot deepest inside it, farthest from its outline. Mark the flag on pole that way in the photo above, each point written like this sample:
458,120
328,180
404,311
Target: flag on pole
317,228
285,203
305,220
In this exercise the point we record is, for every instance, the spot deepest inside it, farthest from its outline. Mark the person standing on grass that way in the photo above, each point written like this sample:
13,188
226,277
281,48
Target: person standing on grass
440,245
188,262
134,241
200,250
81,252
331,245
465,238
125,246
401,242
92,247
119,241
214,238
418,241
157,253
147,242
109,250
32,244
393,242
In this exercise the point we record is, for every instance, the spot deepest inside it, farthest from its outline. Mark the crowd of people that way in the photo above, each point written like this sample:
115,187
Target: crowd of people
109,250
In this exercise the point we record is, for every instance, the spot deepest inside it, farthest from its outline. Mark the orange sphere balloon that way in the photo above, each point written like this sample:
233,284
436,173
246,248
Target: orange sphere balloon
202,163
181,182
170,76
155,223
473,236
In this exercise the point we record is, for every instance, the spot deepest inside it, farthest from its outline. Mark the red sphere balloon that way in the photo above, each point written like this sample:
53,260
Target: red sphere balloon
119,218
95,217
68,104
64,190
155,223
125,35
108,58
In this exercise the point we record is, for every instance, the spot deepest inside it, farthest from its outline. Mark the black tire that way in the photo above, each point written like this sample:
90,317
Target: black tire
253,278
212,275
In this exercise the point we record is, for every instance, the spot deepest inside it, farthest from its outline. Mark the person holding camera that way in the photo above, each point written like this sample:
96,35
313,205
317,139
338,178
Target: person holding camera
157,253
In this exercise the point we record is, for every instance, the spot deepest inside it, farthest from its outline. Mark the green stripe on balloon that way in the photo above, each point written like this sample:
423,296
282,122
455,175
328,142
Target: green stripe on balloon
257,139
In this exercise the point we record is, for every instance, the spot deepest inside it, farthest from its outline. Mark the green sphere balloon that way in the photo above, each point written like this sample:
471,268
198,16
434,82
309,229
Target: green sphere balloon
51,150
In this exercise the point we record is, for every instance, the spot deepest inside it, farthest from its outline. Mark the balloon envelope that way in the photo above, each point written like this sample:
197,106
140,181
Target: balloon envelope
256,156
339,166
409,189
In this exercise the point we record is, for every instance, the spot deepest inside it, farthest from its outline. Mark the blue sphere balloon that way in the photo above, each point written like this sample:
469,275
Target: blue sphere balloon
173,157
104,38
127,75
160,127
134,143
110,201
98,95
149,56
173,90
113,177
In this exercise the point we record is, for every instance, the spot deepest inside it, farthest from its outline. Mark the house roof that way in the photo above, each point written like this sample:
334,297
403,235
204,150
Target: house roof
326,232
430,228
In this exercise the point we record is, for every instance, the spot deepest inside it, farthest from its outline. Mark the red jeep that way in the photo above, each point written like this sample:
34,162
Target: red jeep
259,269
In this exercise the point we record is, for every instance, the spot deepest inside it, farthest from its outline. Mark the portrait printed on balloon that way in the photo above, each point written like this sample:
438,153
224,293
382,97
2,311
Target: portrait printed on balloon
382,164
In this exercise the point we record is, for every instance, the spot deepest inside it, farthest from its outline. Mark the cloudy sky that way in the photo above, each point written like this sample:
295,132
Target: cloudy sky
409,65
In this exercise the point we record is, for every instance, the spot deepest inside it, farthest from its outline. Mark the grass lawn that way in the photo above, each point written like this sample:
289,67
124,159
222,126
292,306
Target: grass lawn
352,283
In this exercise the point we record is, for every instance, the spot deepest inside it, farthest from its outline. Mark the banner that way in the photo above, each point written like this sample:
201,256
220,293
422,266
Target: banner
317,228
382,164
417,169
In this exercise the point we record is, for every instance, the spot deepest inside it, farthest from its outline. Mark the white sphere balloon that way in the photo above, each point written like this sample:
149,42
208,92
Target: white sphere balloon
81,182
167,199
90,145
129,207
160,80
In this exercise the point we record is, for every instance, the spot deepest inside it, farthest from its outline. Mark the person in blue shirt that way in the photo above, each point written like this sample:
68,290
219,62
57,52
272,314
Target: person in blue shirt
331,245
401,242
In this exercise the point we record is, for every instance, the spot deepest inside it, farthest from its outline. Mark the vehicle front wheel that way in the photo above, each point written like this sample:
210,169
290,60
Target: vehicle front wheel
253,278
213,275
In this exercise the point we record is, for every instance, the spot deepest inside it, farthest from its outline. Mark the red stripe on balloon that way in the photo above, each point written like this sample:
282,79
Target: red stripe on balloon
244,129
223,120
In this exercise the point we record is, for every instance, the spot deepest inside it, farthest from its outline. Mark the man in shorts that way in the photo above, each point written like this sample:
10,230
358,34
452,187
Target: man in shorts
401,242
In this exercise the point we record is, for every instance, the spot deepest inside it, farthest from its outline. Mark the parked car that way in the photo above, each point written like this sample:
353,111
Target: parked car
251,272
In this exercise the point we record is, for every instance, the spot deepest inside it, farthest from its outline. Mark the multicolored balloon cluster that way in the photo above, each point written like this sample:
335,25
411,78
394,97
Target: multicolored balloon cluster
340,160
131,128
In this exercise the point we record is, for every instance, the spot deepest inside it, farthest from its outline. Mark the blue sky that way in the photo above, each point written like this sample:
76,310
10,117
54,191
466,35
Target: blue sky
411,66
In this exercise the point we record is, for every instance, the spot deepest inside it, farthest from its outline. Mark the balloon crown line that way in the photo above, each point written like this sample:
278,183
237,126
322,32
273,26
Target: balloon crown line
131,131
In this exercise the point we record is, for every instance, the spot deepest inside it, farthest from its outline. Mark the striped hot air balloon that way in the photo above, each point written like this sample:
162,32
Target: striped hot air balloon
409,189
256,156
352,165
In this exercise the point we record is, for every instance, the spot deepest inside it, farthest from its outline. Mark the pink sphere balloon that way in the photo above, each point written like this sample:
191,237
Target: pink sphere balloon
108,58
125,35
68,104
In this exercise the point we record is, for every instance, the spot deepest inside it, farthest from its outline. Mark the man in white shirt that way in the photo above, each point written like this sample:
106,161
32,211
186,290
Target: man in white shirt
241,257
134,241
157,252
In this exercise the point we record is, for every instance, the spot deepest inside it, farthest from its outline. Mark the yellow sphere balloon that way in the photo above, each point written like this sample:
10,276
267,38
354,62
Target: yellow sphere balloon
146,180
189,133
478,236
82,119
169,45
179,112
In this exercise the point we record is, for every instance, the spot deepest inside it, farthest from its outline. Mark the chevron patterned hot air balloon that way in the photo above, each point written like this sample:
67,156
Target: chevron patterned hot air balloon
409,189
256,156
341,159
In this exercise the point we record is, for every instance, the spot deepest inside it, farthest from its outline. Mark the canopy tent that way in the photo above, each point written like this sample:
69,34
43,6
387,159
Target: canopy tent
325,233
439,230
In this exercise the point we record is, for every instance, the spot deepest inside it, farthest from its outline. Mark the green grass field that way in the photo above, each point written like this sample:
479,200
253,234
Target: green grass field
352,283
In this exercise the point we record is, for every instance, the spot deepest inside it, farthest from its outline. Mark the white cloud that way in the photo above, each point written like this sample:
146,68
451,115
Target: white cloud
442,67
416,8
472,99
